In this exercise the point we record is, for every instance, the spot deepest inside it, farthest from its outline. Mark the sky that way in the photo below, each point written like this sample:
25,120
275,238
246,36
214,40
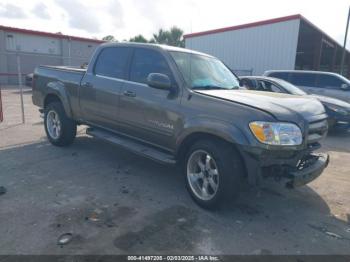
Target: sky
127,18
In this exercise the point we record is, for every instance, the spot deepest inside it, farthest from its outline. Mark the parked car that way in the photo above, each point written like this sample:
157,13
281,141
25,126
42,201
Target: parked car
178,106
338,111
29,80
316,82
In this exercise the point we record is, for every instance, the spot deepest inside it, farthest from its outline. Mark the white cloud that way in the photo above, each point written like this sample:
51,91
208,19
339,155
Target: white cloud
127,18
115,10
41,11
12,11
80,16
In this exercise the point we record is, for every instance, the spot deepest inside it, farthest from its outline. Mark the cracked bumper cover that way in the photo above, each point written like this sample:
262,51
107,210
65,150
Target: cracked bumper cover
284,164
303,176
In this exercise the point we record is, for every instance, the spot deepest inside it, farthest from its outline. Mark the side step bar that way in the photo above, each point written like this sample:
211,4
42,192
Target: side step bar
131,145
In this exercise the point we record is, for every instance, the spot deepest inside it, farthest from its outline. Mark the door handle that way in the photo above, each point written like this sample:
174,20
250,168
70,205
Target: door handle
129,93
87,84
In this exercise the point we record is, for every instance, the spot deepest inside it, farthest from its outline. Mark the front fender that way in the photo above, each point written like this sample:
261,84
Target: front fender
58,89
222,129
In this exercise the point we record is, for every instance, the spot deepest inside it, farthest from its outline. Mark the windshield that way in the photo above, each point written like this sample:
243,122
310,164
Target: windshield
203,72
292,89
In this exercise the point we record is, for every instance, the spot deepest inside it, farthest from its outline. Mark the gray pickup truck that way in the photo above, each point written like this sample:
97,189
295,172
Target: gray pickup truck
178,106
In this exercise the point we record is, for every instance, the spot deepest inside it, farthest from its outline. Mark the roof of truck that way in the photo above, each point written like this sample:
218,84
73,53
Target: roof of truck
155,46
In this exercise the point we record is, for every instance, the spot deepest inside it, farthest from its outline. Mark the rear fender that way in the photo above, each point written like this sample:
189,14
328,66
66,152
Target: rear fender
58,89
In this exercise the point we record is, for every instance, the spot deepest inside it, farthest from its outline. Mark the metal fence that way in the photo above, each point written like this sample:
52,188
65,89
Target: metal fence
18,77
19,67
16,106
12,63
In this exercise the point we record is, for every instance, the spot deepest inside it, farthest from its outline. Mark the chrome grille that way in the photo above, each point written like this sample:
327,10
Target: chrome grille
317,131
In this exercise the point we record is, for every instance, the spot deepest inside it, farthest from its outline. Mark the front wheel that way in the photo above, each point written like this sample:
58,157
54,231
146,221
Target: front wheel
214,172
60,129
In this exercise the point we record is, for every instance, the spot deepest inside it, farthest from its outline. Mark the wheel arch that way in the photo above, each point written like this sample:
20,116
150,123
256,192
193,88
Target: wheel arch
57,93
192,138
50,98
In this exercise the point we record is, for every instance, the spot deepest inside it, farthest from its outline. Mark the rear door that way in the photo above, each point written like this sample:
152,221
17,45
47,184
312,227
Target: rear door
147,113
305,81
331,86
100,89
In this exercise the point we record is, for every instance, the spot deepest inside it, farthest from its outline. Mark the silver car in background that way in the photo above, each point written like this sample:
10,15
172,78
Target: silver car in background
316,82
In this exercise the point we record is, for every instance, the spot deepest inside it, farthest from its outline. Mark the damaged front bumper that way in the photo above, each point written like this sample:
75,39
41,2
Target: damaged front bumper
295,167
307,171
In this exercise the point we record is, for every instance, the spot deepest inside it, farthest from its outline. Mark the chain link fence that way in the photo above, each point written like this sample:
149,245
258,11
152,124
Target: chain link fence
12,104
18,76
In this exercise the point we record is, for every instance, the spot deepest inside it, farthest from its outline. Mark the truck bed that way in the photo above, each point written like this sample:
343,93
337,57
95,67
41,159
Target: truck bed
62,77
64,68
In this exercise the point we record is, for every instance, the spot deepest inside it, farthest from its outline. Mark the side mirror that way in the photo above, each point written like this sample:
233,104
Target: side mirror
159,81
345,87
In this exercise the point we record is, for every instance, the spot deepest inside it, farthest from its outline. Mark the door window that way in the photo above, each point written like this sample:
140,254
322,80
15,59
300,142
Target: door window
112,62
329,81
145,62
303,79
248,84
268,86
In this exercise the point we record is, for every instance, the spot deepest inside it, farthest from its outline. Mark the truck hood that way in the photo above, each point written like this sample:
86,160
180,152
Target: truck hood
282,106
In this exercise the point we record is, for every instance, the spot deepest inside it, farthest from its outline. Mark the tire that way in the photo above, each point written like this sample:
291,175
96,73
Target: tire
229,168
67,128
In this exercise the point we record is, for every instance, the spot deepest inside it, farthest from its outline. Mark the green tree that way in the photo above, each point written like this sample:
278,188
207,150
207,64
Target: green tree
176,37
138,39
109,38
173,37
161,37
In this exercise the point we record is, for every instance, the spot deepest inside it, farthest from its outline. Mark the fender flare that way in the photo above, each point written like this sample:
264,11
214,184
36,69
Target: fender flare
223,130
212,126
57,88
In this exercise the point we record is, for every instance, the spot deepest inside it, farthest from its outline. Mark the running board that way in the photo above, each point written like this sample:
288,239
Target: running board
132,145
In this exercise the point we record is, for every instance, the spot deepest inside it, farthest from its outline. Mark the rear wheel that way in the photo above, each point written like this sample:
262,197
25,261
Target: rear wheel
60,129
213,172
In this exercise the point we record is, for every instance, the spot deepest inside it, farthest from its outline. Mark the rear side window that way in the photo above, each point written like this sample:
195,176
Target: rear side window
145,62
329,81
112,62
268,86
303,79
280,75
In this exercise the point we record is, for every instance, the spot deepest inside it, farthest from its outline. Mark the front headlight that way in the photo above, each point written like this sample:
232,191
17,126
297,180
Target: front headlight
337,109
275,133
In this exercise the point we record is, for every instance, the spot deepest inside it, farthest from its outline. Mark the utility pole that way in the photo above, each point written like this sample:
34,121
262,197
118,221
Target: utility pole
344,47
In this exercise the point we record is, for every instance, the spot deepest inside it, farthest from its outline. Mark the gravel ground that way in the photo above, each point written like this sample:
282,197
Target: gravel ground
114,202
